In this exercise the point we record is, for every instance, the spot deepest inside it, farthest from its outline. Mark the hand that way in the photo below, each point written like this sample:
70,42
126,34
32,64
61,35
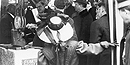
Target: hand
106,44
80,44
82,47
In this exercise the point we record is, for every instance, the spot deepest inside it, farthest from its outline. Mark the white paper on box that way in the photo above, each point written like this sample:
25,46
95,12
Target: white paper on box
25,57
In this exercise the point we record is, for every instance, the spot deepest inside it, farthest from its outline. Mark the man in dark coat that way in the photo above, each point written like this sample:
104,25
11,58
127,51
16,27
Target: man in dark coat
100,32
124,10
82,21
28,7
6,25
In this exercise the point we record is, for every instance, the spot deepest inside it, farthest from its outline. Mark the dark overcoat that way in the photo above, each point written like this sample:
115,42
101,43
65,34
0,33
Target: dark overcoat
5,29
82,22
29,33
100,32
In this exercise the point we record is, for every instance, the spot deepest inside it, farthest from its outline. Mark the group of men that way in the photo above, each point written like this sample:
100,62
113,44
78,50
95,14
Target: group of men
59,39
70,47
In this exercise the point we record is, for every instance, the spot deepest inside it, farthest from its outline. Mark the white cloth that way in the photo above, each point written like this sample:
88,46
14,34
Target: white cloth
35,14
85,48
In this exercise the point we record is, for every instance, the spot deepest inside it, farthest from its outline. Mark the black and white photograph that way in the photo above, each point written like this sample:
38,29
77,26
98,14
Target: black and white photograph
64,32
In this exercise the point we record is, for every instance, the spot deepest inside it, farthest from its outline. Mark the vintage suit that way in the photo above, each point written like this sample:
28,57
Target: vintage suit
5,29
100,32
82,22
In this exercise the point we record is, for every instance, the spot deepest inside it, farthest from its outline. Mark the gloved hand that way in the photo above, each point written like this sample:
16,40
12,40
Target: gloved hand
106,44
81,47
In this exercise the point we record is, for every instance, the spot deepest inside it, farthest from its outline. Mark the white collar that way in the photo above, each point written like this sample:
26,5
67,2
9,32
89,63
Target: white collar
11,15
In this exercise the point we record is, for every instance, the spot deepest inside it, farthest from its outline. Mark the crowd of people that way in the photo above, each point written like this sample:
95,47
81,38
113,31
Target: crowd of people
70,32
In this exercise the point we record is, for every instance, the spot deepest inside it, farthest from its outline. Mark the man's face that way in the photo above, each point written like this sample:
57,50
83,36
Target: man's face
125,14
41,7
77,7
100,11
26,2
11,8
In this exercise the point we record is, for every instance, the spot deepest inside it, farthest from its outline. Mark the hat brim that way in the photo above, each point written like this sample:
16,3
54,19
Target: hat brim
84,2
123,4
